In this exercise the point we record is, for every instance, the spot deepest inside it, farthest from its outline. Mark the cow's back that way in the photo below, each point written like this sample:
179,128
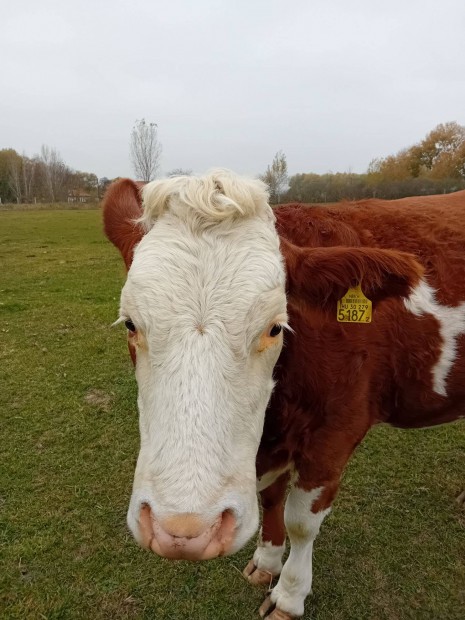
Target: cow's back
430,227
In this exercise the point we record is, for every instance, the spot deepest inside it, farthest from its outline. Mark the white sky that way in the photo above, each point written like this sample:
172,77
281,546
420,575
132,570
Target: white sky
333,83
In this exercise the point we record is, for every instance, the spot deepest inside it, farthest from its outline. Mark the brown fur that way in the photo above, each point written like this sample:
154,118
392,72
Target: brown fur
121,206
336,380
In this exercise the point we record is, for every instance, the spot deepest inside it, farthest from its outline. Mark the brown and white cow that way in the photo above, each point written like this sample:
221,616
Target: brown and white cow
215,278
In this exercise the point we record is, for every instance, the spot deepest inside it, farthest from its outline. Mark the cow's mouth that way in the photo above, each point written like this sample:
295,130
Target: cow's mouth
187,536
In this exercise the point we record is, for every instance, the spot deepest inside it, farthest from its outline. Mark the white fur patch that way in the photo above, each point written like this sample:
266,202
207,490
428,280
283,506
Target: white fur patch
302,525
269,477
206,281
217,196
422,301
268,557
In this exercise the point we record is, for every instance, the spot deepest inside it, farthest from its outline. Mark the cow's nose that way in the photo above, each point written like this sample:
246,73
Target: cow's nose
187,536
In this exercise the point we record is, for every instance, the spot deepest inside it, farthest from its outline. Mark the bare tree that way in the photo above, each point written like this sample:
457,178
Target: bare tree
15,165
46,162
179,172
145,150
103,184
29,169
55,171
276,177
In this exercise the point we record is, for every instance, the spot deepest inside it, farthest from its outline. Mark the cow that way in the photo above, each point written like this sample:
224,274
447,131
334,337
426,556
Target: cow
266,343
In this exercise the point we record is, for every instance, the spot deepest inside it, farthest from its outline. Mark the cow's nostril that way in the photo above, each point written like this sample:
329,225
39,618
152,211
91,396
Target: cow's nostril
145,526
227,529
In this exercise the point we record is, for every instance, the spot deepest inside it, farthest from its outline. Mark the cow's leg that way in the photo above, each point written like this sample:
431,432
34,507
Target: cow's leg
318,474
461,499
267,559
303,515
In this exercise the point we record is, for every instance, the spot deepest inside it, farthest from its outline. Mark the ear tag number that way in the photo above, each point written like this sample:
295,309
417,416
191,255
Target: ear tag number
354,307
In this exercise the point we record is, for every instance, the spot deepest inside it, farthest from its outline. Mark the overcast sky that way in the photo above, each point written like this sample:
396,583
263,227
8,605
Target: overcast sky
333,83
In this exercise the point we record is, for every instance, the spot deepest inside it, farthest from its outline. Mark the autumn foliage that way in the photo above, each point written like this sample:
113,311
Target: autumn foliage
434,165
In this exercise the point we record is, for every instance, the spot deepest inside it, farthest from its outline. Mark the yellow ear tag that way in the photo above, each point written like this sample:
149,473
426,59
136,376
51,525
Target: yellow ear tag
354,307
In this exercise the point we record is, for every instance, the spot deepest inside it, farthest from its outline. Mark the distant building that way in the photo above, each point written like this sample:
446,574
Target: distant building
78,195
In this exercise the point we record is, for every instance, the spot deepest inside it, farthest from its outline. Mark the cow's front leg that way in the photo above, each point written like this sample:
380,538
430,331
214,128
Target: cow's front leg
267,559
303,515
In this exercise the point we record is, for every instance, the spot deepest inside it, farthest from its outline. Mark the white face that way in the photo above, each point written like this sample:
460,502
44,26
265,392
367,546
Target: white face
207,304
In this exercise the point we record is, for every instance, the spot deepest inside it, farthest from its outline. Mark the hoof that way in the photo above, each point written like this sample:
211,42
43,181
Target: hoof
461,499
269,611
256,576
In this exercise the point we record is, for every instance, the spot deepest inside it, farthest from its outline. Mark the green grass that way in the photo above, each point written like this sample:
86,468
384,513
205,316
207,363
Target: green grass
48,206
394,547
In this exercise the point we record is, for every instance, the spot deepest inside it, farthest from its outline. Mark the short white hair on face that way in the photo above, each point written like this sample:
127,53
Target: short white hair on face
206,200
206,285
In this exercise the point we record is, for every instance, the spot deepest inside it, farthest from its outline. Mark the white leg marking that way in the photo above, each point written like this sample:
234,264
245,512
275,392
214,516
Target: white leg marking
268,557
302,527
267,479
422,300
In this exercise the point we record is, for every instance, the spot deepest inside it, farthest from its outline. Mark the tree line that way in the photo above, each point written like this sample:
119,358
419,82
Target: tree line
434,165
45,178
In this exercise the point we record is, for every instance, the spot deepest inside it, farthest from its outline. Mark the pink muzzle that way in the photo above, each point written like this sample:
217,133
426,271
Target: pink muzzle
187,536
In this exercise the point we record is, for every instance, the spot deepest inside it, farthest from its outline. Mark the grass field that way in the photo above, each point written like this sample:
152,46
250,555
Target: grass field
394,547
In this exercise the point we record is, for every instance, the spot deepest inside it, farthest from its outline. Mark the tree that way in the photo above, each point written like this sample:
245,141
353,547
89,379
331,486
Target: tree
55,172
103,184
179,172
15,165
276,177
29,173
440,146
441,152
6,195
145,150
440,156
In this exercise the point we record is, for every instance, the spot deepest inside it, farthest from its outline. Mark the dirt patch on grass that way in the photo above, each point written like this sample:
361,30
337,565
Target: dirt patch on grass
461,499
117,605
98,398
382,597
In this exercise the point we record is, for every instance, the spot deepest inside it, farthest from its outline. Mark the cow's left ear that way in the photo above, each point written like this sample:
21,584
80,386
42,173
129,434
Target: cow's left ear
323,275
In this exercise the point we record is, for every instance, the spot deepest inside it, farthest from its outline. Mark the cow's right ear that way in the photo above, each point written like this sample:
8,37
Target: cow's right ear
323,275
122,206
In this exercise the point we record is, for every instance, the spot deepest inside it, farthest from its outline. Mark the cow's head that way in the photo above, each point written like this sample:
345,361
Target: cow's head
205,306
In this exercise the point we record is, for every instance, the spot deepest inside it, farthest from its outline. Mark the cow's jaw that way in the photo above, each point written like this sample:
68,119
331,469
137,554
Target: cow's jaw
203,302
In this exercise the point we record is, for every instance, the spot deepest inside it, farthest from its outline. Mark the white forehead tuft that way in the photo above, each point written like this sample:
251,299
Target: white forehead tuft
205,200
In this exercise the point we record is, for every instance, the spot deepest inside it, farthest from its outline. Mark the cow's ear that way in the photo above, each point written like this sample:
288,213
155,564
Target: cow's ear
323,275
122,206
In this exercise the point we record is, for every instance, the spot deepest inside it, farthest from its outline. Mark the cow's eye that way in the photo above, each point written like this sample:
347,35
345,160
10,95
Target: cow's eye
130,325
276,330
